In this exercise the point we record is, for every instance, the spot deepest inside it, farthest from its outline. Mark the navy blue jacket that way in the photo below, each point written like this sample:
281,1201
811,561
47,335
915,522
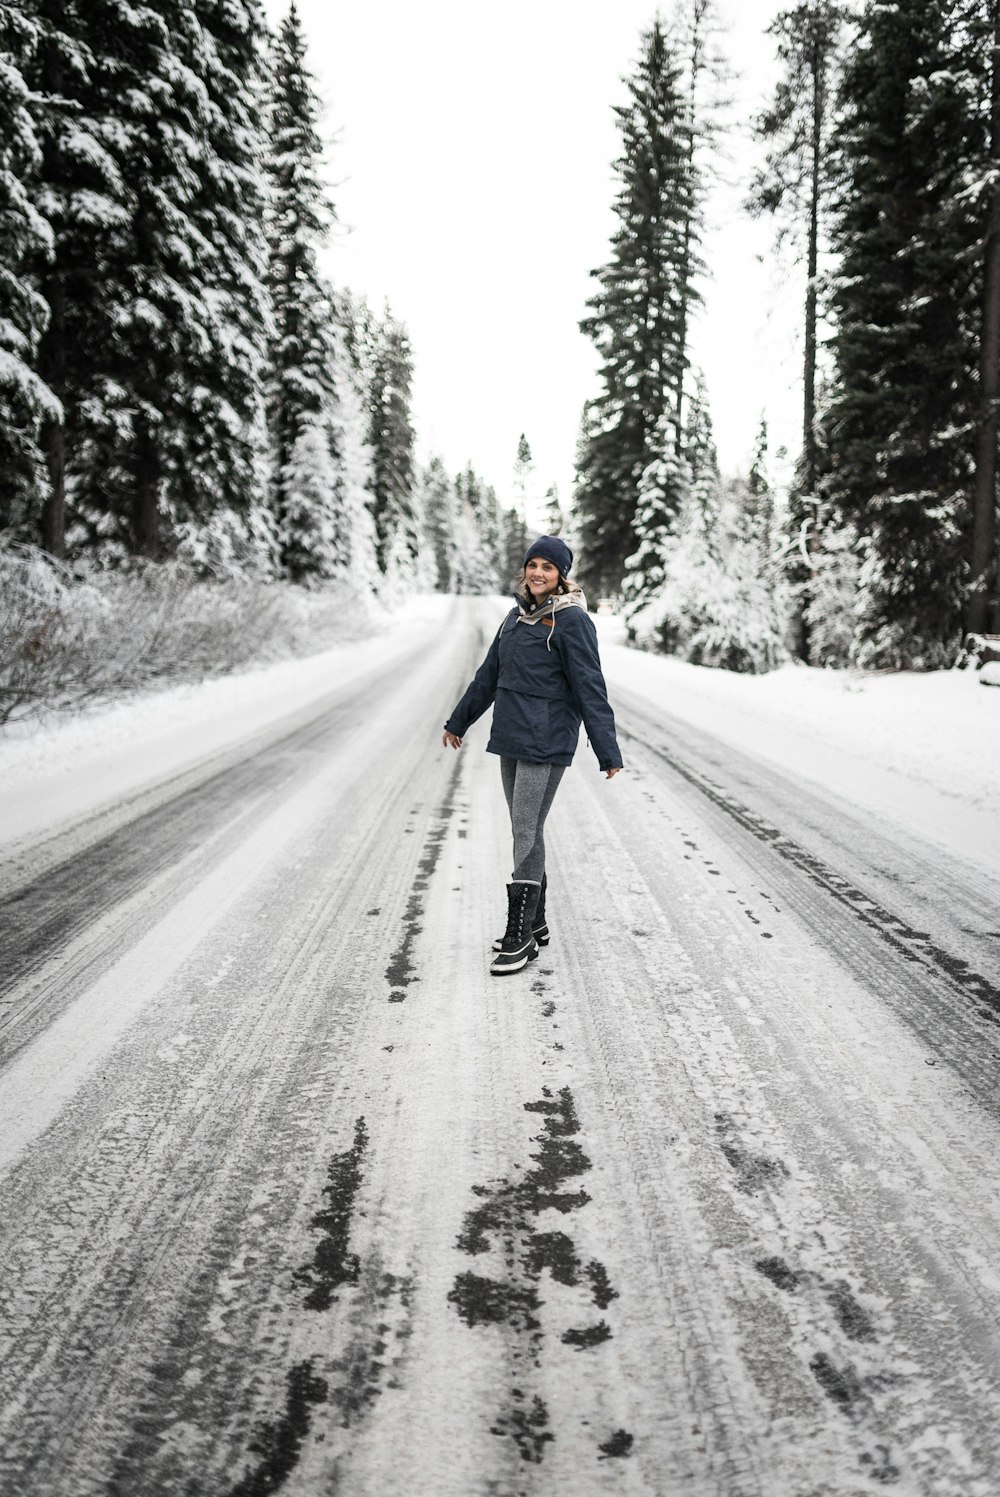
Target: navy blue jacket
544,678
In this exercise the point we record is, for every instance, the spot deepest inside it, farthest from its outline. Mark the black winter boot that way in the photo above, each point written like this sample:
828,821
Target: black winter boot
518,946
539,929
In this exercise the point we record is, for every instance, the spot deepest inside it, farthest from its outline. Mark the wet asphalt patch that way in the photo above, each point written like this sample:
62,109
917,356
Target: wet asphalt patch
504,1225
399,972
333,1265
279,1444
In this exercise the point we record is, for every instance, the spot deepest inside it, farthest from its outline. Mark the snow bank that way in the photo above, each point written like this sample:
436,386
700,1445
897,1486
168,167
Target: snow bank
922,750
62,769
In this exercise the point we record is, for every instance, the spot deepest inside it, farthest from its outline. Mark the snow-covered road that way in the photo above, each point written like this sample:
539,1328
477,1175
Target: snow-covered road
296,1198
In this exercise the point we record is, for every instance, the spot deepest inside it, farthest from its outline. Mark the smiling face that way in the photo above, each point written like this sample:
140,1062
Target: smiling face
541,577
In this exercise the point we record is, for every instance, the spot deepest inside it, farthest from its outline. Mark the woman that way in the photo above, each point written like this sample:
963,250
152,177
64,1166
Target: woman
543,673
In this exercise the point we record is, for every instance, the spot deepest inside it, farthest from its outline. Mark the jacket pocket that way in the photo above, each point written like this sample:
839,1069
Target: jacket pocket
521,725
564,726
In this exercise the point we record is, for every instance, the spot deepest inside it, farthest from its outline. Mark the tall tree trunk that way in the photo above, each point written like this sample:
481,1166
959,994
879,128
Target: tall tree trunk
983,608
810,463
699,7
52,363
54,508
146,498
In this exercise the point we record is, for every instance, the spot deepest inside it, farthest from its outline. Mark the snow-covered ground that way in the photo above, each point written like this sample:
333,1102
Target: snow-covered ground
63,768
921,750
294,1195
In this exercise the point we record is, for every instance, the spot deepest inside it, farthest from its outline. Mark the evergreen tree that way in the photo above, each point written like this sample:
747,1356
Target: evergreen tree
795,185
796,181
979,24
438,502
639,316
555,520
514,541
81,190
301,381
663,493
223,444
475,568
906,301
25,237
760,499
349,437
704,66
150,177
524,478
392,441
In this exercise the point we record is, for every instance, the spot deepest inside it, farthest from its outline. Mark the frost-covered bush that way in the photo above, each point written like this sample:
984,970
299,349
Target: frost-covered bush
831,612
49,630
66,639
716,598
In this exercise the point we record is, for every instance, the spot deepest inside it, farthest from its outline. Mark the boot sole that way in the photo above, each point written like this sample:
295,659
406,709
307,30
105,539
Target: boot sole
508,967
539,941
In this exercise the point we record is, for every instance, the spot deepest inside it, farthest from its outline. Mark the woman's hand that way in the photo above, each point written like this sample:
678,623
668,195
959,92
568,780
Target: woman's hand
609,774
451,740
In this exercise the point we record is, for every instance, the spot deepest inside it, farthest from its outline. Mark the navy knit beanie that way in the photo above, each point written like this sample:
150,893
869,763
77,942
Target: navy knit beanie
551,548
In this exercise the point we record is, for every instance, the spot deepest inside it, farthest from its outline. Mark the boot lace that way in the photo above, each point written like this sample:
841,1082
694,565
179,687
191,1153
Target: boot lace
515,915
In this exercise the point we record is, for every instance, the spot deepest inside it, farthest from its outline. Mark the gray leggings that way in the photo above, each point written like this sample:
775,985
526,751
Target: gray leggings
530,790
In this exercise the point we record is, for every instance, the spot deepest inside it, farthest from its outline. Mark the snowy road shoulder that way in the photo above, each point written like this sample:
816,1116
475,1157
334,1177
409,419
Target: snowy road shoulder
918,751
63,769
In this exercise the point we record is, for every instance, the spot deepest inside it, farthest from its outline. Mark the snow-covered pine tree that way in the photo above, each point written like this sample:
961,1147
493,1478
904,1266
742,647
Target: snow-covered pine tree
349,429
760,497
906,302
524,478
795,184
25,238
150,177
663,493
438,503
831,611
478,558
302,357
639,315
221,460
392,443
978,28
555,520
81,192
514,541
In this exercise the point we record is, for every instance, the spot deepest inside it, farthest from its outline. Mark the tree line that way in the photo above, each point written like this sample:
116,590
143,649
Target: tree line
177,376
879,167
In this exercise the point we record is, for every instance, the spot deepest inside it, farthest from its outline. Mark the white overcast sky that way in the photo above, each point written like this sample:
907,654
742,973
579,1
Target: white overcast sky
470,158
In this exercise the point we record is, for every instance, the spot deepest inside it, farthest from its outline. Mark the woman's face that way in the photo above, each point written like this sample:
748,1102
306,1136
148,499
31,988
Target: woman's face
541,577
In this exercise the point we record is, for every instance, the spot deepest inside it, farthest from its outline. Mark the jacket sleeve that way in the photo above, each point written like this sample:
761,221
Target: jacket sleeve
480,693
576,640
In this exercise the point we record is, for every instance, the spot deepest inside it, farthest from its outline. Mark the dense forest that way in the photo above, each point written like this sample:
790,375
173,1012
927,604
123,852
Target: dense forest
878,163
181,386
177,379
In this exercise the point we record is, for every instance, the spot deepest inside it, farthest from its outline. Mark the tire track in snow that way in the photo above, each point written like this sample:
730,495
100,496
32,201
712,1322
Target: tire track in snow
152,860
162,1221
400,971
914,946
815,1205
